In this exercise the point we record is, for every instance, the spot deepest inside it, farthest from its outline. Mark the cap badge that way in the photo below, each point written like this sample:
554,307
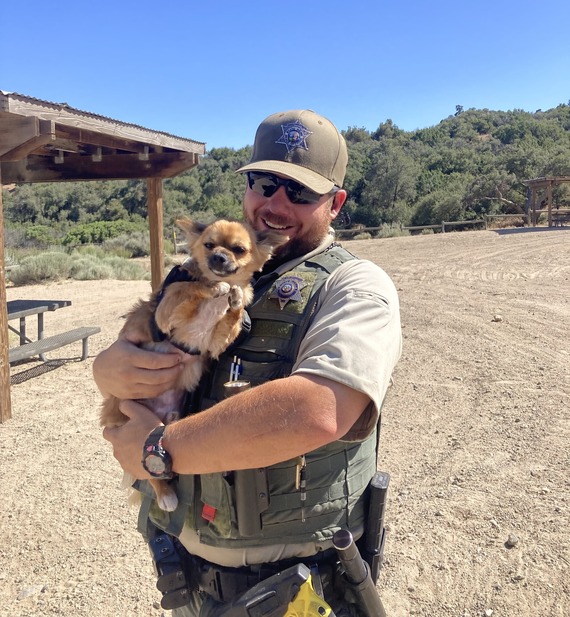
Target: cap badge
294,136
288,289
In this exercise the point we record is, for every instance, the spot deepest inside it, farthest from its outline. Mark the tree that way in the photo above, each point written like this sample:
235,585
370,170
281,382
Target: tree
494,193
391,178
355,135
387,130
24,206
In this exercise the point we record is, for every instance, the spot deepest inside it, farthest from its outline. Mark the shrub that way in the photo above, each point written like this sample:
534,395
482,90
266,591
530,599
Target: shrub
40,236
58,266
89,249
392,230
168,246
129,245
43,267
96,233
10,259
14,237
88,268
126,270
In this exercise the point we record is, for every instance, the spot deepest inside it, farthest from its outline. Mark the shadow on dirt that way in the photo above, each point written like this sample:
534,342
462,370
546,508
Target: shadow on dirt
39,369
526,230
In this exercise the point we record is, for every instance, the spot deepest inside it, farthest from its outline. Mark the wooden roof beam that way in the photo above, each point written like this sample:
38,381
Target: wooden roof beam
98,139
76,167
15,131
20,136
23,150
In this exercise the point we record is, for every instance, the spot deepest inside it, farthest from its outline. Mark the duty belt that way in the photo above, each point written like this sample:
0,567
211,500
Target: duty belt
223,584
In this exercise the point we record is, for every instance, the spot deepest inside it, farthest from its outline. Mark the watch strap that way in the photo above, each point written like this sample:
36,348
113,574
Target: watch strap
153,448
155,436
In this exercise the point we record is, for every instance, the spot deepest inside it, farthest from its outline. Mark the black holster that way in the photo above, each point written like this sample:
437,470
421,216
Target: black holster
169,566
371,544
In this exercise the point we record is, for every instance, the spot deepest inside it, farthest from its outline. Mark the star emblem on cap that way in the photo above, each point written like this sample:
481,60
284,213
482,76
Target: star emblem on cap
294,136
288,289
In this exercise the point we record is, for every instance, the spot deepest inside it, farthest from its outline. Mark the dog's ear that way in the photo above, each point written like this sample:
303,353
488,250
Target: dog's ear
268,241
192,229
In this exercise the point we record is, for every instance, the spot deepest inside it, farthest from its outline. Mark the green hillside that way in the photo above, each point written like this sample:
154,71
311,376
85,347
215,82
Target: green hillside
470,164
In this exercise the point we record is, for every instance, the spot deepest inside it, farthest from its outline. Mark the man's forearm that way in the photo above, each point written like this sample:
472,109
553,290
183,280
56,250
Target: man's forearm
263,426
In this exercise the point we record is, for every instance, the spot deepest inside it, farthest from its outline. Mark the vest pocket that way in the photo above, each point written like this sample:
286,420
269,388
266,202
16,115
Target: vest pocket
265,367
217,501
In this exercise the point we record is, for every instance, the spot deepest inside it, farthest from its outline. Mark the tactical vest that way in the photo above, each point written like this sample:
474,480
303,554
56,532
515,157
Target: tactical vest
336,474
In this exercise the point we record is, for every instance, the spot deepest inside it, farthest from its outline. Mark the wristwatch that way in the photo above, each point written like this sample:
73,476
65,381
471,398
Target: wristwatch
156,459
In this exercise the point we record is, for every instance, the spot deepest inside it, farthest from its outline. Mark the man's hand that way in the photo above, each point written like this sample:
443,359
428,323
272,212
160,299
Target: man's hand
128,440
129,372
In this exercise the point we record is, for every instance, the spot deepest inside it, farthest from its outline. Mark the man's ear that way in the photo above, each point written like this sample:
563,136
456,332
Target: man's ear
338,201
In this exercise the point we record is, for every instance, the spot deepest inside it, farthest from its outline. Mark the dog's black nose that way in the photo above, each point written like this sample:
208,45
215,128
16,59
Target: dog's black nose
218,260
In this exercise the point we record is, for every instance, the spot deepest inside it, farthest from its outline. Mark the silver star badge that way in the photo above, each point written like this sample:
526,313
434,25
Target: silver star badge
289,289
294,136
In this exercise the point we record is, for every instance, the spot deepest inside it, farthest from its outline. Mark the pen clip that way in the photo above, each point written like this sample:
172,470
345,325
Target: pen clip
235,369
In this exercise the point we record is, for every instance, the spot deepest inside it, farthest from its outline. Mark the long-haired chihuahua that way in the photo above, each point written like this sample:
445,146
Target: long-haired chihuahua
199,309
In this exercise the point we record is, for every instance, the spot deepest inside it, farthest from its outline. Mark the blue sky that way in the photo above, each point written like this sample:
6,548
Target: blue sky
211,71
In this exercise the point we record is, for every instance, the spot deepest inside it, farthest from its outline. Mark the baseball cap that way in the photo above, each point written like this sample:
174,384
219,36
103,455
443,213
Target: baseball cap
301,145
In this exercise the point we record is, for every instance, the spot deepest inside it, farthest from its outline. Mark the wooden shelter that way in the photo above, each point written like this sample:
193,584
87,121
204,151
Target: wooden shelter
53,142
543,187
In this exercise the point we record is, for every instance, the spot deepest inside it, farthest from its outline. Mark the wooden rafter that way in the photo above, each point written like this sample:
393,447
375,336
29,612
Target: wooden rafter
75,167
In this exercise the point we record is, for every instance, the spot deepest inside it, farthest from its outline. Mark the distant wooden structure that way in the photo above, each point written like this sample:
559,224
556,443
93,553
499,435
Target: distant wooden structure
544,187
42,141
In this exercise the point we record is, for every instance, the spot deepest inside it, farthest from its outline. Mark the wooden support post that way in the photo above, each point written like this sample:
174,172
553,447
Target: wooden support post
155,220
549,198
5,400
533,206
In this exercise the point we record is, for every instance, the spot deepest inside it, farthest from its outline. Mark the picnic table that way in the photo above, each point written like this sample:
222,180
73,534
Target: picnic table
28,348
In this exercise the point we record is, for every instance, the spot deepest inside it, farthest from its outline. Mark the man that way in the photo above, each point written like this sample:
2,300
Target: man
324,339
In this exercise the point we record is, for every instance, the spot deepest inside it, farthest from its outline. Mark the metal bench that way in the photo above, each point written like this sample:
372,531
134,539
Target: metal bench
49,343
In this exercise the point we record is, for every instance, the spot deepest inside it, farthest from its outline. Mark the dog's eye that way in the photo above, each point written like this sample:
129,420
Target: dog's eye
209,245
238,250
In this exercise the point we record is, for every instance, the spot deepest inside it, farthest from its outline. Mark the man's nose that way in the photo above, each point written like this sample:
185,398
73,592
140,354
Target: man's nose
279,200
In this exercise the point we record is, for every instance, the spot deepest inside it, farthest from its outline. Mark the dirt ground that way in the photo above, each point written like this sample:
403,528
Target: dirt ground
475,437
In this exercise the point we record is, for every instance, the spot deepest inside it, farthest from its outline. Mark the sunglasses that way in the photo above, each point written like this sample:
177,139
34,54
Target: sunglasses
267,184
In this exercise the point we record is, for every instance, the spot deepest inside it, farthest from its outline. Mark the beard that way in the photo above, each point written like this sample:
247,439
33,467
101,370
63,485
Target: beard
297,247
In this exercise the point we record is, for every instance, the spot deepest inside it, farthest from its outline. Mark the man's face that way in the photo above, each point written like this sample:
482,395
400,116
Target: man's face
305,224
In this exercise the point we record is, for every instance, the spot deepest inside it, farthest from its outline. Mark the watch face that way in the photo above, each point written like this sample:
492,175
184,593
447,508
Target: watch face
155,464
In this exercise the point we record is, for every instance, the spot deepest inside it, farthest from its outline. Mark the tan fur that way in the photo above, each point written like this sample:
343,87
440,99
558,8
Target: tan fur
204,314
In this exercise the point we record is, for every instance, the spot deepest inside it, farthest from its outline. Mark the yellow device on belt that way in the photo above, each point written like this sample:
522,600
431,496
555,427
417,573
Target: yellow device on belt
308,603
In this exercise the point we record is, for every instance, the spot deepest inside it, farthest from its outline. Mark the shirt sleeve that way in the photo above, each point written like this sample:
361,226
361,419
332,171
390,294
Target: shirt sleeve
355,337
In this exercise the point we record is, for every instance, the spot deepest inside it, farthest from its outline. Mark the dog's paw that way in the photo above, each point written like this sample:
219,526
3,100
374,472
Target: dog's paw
220,289
127,481
168,501
135,498
236,298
